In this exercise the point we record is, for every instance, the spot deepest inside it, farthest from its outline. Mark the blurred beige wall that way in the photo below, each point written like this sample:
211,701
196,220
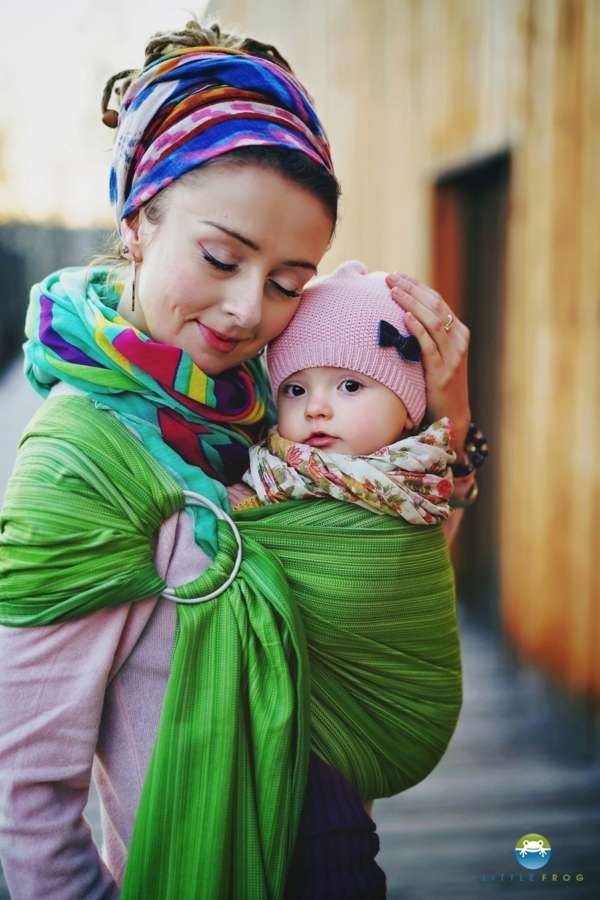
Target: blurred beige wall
410,89
406,89
56,57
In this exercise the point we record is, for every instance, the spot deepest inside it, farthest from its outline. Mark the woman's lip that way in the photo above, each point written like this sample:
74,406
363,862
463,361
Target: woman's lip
215,340
321,440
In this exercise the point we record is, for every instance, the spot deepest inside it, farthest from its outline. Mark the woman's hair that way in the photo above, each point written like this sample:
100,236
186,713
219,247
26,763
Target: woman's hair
292,164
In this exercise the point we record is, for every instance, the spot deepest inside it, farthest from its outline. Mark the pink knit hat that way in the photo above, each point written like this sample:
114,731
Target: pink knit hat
349,321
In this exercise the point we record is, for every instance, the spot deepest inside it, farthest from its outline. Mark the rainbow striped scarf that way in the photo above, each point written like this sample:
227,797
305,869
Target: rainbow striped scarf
198,427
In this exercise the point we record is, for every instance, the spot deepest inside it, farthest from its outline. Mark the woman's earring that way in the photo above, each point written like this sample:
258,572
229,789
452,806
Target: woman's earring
133,264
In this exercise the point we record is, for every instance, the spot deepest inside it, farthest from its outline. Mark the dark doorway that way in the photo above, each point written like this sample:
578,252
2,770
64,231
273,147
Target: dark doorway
470,210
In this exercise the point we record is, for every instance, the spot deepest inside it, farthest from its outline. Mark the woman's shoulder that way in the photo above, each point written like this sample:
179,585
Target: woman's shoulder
72,445
66,438
67,426
72,426
66,413
80,513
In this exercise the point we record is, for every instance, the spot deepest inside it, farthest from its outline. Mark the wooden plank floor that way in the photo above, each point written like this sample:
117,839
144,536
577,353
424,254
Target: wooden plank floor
519,762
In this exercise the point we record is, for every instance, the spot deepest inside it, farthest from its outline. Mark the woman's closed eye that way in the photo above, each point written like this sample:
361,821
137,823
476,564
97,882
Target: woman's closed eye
287,292
218,263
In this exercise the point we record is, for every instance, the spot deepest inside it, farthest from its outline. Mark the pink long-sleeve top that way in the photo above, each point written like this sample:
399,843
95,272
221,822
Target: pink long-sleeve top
79,698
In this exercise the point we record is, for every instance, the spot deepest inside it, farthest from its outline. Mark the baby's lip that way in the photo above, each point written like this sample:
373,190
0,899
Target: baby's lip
320,439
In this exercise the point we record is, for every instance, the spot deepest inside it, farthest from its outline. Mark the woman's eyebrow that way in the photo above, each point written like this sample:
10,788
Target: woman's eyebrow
302,264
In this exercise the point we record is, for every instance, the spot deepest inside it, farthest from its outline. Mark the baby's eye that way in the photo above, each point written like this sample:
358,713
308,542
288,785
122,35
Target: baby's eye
292,390
350,386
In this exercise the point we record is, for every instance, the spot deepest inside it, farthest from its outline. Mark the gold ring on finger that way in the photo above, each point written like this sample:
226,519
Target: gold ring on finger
449,323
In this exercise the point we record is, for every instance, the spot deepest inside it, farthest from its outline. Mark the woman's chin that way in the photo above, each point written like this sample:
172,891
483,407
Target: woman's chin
214,365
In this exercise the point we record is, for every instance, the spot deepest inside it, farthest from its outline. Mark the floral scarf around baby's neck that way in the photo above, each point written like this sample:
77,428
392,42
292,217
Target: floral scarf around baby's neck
410,478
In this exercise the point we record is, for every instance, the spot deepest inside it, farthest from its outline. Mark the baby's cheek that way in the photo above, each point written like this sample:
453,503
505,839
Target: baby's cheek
369,419
361,431
287,422
376,425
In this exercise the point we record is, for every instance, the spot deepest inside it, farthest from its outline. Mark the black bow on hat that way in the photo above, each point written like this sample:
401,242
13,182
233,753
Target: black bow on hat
406,344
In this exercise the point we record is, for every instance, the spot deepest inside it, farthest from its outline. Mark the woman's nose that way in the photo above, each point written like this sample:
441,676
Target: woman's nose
244,303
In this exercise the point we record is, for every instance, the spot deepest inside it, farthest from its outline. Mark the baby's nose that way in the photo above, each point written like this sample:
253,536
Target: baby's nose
318,405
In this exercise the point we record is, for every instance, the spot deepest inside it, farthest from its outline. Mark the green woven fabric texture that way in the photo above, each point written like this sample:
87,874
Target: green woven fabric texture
80,514
377,600
222,799
365,603
221,803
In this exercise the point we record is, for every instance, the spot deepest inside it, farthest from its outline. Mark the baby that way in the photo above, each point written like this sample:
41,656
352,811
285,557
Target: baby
349,383
376,594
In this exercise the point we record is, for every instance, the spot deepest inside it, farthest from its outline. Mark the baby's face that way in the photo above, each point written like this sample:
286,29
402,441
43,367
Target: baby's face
340,410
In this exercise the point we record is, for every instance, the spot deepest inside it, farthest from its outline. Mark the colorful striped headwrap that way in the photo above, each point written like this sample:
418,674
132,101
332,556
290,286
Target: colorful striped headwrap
194,105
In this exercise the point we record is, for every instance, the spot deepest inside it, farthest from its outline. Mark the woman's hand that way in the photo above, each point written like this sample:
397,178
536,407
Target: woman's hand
444,352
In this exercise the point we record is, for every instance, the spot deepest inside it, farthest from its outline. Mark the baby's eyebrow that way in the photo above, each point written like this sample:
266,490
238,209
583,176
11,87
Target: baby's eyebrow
298,263
351,373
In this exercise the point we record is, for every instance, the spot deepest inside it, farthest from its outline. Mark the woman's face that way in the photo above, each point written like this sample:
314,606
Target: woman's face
221,273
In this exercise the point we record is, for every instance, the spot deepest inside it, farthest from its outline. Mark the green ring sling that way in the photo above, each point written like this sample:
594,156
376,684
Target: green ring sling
338,633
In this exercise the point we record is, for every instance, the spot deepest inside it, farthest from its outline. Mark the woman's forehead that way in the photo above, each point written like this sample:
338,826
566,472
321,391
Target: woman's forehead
256,207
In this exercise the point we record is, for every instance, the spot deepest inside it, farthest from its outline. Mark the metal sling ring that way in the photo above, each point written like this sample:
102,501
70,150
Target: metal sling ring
194,499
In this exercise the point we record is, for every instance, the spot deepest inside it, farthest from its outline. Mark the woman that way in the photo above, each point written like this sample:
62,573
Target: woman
225,199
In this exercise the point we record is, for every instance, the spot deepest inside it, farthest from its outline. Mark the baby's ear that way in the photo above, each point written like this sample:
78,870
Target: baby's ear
351,267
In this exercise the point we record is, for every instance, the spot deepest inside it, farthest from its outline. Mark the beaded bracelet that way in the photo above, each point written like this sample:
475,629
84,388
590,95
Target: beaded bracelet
476,451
